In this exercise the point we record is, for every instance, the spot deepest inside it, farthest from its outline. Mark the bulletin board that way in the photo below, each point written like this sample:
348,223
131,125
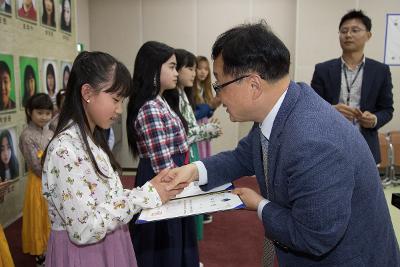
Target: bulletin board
38,38
392,40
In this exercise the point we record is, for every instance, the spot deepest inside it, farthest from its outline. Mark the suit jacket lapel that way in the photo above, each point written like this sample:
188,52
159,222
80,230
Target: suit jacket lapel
335,73
368,75
279,123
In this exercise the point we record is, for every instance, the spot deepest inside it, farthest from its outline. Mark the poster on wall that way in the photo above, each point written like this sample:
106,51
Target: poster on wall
50,83
5,7
7,83
65,16
48,14
392,40
9,165
28,70
27,10
65,71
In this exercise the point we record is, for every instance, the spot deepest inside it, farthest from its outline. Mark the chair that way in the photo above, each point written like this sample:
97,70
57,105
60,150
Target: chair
394,139
385,167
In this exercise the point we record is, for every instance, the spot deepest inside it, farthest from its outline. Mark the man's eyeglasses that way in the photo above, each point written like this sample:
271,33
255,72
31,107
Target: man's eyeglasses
353,31
217,87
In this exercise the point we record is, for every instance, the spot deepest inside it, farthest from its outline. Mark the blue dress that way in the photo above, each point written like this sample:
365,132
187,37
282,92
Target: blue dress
167,243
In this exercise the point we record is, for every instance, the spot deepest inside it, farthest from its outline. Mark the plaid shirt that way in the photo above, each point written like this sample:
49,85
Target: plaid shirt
161,134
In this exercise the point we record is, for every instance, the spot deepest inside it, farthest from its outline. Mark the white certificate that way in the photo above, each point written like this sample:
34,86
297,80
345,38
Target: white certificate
187,204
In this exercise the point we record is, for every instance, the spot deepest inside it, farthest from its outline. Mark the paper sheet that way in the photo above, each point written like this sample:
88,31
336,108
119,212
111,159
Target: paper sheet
193,201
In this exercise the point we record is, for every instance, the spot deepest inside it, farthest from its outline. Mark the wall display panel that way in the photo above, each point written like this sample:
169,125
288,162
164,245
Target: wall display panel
29,77
392,40
28,47
50,78
48,14
65,16
6,7
9,163
27,10
65,72
7,84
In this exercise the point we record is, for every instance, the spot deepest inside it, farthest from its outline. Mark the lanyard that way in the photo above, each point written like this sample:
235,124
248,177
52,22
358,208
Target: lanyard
347,82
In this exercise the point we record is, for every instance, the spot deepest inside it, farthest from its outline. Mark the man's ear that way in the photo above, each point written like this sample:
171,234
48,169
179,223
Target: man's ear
369,34
86,92
255,83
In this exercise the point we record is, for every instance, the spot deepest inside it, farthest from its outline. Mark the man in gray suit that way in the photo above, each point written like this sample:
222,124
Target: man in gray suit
321,200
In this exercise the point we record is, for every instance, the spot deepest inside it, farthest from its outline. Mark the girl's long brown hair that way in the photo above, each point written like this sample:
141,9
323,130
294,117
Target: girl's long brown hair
206,85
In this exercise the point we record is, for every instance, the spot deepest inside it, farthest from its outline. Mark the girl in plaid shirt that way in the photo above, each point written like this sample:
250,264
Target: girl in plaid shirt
156,134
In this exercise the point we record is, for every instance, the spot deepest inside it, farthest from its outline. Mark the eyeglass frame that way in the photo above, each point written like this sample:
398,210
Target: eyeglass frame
352,31
217,88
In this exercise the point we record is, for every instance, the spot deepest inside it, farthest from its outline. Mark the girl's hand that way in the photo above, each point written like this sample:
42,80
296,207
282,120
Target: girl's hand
161,182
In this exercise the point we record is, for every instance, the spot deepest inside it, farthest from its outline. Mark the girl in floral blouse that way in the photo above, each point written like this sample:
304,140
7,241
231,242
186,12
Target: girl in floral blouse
156,133
88,207
32,142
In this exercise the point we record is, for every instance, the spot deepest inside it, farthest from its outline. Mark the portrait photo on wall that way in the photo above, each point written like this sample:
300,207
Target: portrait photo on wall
5,7
49,78
9,165
65,16
65,72
27,10
7,83
48,14
28,71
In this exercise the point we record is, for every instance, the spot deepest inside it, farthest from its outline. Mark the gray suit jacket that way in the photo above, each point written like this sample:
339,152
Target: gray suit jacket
327,204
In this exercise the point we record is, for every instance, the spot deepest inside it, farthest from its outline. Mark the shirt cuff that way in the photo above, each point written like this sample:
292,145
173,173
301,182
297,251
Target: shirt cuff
203,179
261,206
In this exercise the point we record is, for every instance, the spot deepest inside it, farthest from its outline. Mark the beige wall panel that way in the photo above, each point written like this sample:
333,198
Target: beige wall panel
317,32
281,16
83,29
171,22
116,29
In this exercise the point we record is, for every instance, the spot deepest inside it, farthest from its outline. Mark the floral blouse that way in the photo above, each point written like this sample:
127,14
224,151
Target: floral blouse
32,142
85,204
197,132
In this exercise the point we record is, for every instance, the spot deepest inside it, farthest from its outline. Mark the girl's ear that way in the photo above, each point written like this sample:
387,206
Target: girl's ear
86,92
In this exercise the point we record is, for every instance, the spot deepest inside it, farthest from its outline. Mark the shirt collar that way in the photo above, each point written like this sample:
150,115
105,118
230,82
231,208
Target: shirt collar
268,122
344,62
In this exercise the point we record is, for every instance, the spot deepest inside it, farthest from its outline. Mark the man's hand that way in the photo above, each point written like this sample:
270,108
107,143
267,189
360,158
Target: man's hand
348,112
249,197
161,182
367,120
182,176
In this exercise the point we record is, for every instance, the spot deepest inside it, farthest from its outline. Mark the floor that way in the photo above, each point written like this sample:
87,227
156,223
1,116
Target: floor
234,238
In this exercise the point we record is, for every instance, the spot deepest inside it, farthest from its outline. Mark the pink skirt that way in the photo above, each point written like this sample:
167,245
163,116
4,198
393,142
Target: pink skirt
204,146
115,250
